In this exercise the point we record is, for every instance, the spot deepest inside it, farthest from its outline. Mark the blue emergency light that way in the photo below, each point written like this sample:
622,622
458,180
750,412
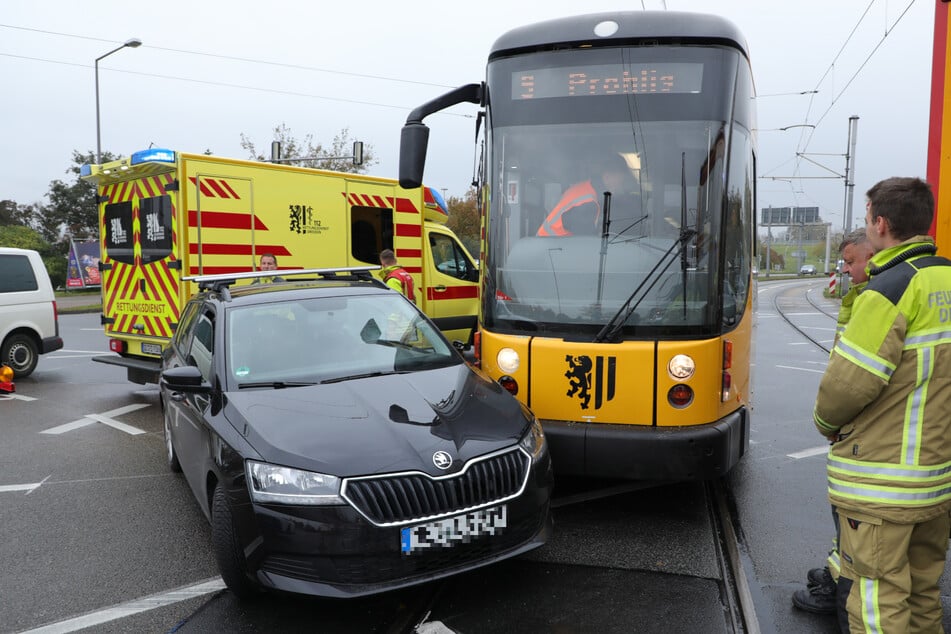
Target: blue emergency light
153,155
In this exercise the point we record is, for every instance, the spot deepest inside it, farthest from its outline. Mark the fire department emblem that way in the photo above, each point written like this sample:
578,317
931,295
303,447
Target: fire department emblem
589,377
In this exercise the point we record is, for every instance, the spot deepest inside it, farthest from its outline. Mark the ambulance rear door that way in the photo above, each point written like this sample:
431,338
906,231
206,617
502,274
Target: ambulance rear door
139,265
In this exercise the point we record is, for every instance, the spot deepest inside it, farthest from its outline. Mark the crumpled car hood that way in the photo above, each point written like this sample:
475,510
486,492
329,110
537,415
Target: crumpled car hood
379,424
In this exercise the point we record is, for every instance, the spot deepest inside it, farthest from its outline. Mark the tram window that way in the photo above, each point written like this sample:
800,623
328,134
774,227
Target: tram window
738,229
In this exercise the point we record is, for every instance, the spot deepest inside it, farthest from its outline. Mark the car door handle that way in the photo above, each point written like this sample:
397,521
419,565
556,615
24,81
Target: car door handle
178,397
439,289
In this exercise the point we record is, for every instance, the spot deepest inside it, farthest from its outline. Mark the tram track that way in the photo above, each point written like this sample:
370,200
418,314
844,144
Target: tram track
782,313
735,596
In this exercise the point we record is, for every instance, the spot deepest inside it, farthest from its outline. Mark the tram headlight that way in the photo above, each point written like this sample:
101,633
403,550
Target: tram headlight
508,360
681,367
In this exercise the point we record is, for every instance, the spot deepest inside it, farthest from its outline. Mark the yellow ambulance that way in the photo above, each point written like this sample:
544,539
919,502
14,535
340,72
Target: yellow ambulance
166,215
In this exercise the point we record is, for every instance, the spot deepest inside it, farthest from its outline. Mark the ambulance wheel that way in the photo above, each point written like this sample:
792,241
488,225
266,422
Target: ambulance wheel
21,354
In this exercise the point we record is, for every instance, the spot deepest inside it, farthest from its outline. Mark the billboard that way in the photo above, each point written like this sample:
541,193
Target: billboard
790,215
83,266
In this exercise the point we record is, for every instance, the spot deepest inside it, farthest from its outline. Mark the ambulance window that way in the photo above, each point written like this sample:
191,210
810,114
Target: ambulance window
371,231
117,219
449,258
155,218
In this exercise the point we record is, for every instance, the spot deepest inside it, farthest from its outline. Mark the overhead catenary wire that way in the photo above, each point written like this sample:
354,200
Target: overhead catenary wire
249,60
230,85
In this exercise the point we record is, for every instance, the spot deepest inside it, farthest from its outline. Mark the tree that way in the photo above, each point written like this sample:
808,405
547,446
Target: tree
23,237
13,214
73,205
465,219
305,150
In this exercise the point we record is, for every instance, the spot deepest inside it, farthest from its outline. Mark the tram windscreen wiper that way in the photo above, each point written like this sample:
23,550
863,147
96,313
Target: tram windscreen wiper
613,327
678,250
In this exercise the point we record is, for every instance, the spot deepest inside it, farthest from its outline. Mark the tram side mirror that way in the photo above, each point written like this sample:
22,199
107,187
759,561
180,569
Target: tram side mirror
414,139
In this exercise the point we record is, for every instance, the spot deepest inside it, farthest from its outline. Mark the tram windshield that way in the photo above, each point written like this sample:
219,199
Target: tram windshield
652,127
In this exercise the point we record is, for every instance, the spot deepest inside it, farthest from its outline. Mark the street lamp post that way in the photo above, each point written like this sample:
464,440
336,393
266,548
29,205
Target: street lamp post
133,43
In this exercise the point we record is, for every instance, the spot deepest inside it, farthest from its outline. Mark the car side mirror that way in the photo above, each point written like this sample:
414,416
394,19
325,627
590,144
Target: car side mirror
185,378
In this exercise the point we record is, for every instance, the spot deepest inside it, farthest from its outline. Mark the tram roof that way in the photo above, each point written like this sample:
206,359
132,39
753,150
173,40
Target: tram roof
633,26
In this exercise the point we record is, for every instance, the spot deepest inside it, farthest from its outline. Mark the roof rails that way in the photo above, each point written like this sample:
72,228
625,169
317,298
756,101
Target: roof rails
222,282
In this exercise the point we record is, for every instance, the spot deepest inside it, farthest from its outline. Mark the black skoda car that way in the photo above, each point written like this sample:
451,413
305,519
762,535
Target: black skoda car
339,445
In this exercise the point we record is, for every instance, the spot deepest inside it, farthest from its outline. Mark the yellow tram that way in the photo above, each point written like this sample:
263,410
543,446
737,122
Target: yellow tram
618,192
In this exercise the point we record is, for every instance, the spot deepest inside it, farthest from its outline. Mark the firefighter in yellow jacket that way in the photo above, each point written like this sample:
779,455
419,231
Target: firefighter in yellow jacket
885,403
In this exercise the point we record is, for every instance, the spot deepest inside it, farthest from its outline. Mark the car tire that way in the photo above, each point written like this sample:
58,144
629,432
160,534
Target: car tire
21,354
170,454
228,552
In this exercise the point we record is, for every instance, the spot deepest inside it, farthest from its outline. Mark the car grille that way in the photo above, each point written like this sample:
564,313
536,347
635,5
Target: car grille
408,497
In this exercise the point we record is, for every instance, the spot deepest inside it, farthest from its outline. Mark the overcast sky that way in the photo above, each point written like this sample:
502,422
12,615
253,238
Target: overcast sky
210,70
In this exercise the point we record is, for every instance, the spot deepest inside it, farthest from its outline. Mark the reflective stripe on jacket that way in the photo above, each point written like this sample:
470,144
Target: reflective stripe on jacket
886,395
576,196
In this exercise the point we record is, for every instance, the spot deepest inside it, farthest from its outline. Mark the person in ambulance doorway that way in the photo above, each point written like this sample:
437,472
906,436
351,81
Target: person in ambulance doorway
268,263
883,403
579,212
395,276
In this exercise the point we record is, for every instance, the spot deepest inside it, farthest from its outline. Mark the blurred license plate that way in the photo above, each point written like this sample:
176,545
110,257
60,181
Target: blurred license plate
152,348
448,532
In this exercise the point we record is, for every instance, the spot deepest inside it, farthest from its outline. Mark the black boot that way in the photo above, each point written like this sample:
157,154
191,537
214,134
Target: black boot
819,596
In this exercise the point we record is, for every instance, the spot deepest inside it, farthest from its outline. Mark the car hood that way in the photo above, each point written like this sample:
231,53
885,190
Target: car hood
379,424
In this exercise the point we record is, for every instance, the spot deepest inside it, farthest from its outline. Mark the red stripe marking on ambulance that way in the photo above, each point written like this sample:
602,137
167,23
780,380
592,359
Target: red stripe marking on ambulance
224,220
408,231
208,248
404,205
452,292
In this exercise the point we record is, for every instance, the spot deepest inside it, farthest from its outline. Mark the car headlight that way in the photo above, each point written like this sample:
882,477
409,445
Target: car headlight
533,442
271,483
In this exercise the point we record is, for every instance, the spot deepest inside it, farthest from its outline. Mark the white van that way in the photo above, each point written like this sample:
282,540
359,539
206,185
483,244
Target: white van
29,325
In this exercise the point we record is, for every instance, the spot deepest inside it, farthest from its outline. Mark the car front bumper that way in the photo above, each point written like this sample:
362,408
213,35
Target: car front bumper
334,551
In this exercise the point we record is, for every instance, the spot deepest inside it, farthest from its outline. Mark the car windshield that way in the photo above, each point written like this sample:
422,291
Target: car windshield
329,339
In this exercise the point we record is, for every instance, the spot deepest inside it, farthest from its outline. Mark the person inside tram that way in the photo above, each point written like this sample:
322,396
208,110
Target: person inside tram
578,211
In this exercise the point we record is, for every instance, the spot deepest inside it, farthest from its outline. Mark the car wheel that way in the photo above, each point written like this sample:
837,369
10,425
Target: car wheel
20,353
170,454
228,552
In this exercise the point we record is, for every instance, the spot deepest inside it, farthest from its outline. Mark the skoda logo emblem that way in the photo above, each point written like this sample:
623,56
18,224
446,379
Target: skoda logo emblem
442,460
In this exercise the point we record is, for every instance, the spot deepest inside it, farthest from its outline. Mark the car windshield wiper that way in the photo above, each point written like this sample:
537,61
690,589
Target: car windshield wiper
392,343
364,375
277,385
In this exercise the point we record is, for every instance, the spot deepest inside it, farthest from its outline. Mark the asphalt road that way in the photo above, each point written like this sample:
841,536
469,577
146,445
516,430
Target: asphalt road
96,535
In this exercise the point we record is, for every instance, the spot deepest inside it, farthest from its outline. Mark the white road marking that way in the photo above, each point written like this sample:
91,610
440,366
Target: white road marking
83,351
17,397
89,419
29,488
129,608
808,453
790,367
129,429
